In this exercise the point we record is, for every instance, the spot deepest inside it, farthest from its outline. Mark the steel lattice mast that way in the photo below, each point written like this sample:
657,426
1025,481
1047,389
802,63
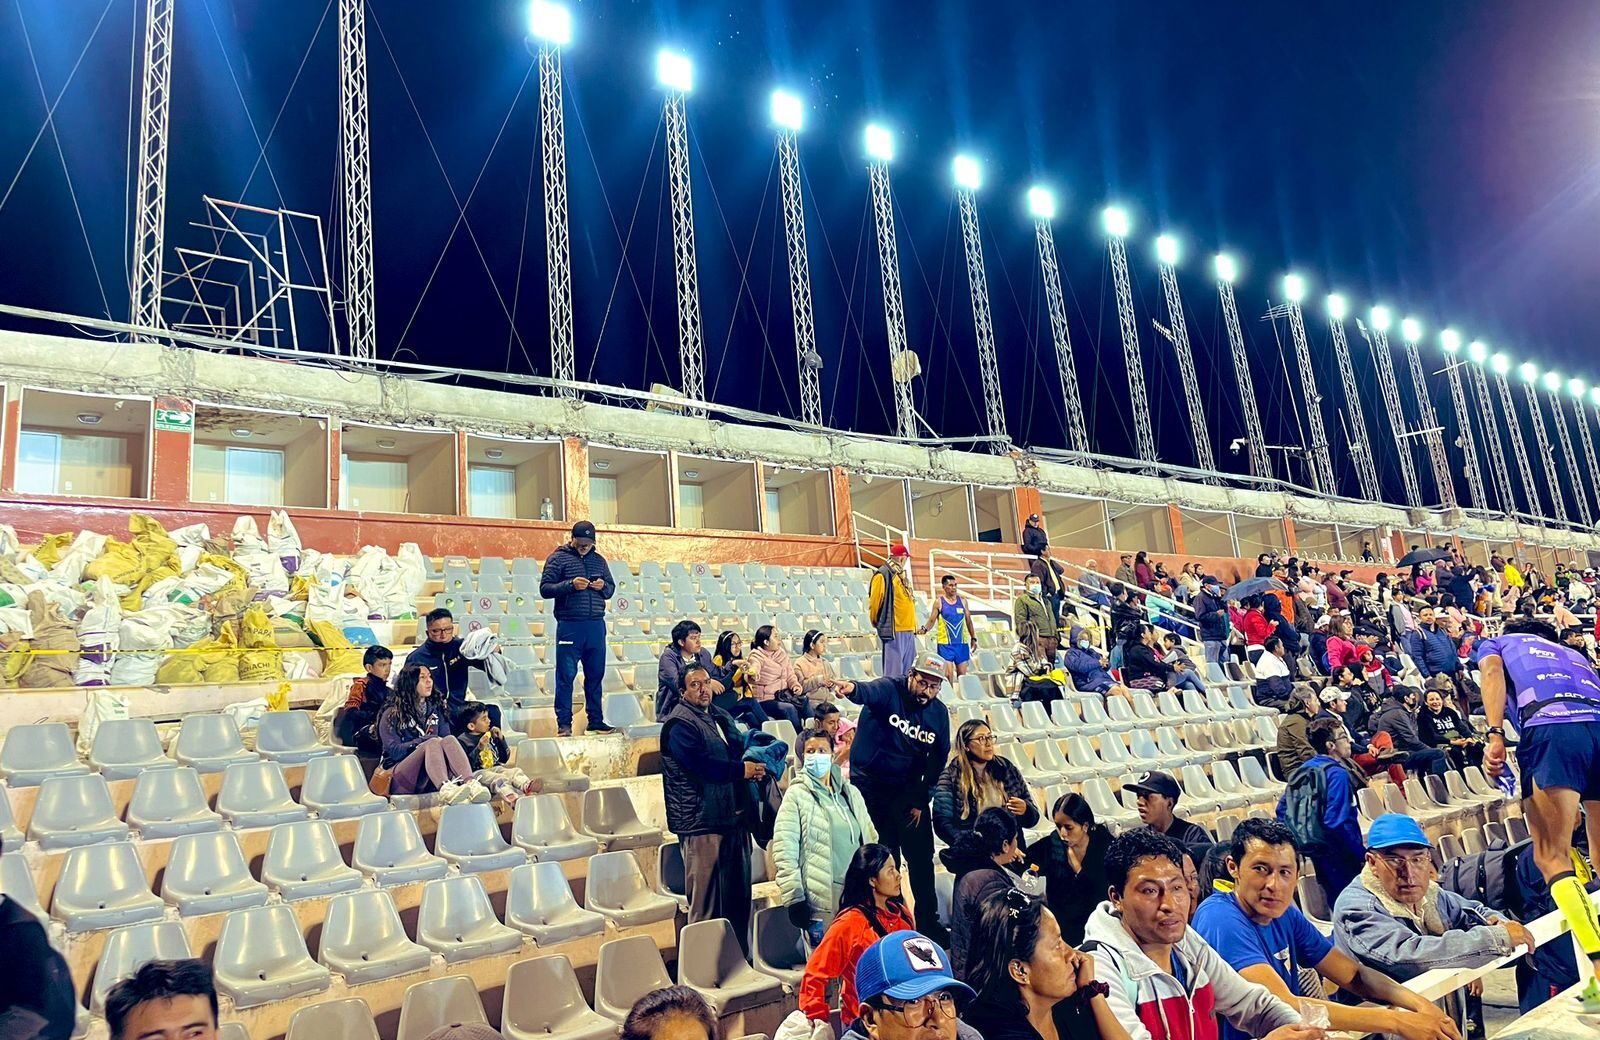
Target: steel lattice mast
1177,333
1360,442
787,112
360,311
1378,341
1321,462
677,76
880,152
551,26
1431,433
968,177
1553,386
150,192
1519,448
1503,487
1260,461
1577,388
1117,226
1541,439
1043,206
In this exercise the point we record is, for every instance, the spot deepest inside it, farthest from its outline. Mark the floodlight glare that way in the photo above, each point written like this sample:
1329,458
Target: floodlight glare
1338,306
1410,329
1450,339
967,172
1381,318
1477,351
788,111
1116,221
1294,287
1501,364
1576,387
1227,268
1167,249
879,143
550,22
674,71
1528,371
1594,396
1042,203
1552,381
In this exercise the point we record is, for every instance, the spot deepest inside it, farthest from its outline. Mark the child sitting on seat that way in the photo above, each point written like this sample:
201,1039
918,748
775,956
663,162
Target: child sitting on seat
489,754
1184,676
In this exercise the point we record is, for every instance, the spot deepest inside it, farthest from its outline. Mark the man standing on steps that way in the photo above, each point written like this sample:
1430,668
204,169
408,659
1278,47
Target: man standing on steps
893,612
578,578
952,625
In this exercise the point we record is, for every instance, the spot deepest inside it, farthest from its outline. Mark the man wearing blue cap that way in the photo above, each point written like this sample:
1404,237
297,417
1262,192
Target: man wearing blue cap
1396,919
909,992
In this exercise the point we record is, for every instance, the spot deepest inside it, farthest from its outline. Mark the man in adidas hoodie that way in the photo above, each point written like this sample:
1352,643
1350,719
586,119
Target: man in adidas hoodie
902,743
1165,982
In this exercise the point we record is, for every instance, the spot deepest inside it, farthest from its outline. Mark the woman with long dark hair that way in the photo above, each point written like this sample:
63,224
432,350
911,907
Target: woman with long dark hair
816,675
1142,667
976,779
1072,860
773,681
985,859
414,729
870,907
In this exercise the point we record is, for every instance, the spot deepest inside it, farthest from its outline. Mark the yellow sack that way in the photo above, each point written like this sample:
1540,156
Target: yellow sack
14,656
255,629
300,586
224,671
179,669
157,553
119,561
259,666
49,552
339,657
278,700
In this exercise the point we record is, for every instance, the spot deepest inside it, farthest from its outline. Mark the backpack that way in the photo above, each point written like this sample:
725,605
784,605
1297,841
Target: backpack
1305,799
1489,877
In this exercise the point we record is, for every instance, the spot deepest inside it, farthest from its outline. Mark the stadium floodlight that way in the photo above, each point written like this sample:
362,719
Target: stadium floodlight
1528,371
1576,387
674,71
550,22
1116,221
1381,318
1500,363
1450,340
879,141
1594,396
788,111
1167,249
1294,287
1041,203
967,171
1410,329
1477,351
1552,381
1227,268
1338,306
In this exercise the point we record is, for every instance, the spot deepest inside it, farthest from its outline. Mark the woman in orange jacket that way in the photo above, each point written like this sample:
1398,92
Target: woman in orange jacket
870,907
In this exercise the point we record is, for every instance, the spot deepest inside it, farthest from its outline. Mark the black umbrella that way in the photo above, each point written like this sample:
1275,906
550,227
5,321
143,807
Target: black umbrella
1255,587
1417,556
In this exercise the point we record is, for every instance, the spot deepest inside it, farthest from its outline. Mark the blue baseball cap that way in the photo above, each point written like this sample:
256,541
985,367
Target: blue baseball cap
906,966
1393,829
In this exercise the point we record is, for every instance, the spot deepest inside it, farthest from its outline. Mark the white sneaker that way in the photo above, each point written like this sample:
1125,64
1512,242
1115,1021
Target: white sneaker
476,792
454,792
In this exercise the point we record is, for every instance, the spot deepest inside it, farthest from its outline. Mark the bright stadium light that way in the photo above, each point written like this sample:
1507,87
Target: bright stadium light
1594,396
674,71
1528,371
1042,203
1410,329
879,142
1381,318
1167,249
1294,287
1477,352
1227,268
788,111
967,172
1500,363
1338,306
1116,221
1552,381
550,22
1450,340
1576,387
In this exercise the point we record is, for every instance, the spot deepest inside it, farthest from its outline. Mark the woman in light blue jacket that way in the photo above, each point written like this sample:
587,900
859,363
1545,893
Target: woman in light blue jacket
820,825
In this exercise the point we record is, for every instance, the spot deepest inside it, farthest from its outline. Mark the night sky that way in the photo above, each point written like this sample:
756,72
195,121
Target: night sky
1435,156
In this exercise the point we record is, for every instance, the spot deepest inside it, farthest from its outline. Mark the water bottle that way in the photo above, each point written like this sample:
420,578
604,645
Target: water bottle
547,509
1032,882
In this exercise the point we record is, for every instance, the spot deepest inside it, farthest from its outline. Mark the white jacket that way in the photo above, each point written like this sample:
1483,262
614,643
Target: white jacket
802,840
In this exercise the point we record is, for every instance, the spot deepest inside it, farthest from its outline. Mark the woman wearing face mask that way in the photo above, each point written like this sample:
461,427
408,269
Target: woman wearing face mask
1088,668
820,825
977,779
985,860
1071,859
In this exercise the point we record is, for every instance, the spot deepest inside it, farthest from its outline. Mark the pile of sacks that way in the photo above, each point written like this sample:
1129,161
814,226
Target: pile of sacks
176,607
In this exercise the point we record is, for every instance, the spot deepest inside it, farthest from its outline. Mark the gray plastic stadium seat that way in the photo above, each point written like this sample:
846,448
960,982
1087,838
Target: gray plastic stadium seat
210,743
541,759
11,837
103,886
303,860
777,948
126,748
609,815
711,962
254,794
170,802
363,939
670,873
75,810
439,1002
540,903
16,881
469,837
626,970
390,850
33,753
623,711
617,888
457,921
348,1019
261,957
127,950
540,826
236,1031
543,1001
208,874
288,737
335,788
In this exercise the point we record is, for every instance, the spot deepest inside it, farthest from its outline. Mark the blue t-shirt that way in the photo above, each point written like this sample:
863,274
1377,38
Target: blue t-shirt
952,627
1541,672
1287,944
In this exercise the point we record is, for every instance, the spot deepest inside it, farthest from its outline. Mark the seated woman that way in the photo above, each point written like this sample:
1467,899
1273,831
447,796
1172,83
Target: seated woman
1071,860
985,859
1142,666
1440,725
977,779
816,675
870,907
1087,666
414,729
773,681
1031,666
727,669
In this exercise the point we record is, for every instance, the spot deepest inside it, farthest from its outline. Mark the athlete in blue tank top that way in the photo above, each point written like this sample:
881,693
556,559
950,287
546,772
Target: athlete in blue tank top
951,625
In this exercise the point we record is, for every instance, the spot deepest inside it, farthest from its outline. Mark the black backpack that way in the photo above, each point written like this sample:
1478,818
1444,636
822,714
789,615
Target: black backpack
1489,877
1304,802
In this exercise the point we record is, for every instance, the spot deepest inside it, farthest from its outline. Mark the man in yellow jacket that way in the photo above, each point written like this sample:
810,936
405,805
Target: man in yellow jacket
893,613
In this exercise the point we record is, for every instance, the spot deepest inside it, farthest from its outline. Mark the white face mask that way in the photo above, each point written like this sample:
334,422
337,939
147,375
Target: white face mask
818,763
1033,590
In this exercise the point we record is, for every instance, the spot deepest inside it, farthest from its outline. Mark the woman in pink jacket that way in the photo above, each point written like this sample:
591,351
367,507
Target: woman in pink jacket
768,672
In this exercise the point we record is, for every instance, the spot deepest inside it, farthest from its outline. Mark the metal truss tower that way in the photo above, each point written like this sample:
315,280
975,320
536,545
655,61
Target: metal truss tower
1547,458
1321,462
902,363
1565,436
1260,461
691,346
1519,448
794,230
1431,433
1378,340
1588,445
1139,399
1177,333
360,312
1360,442
1503,488
150,192
982,323
1469,449
1077,431
557,243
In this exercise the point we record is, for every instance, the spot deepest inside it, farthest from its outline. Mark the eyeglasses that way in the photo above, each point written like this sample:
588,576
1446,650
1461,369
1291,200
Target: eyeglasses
1416,863
932,1007
987,738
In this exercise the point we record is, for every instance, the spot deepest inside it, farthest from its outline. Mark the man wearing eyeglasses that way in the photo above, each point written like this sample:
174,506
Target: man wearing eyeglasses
908,992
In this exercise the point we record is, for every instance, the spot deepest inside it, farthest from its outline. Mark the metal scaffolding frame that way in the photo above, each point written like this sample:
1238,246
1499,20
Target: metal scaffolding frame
1260,461
982,323
1077,430
1547,458
1565,436
557,241
1504,489
1139,400
691,345
360,311
1431,432
903,364
1356,433
1378,342
1588,445
150,192
1177,333
794,233
1321,462
1519,447
1469,451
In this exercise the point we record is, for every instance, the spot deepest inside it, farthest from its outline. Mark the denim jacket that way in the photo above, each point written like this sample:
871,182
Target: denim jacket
1365,928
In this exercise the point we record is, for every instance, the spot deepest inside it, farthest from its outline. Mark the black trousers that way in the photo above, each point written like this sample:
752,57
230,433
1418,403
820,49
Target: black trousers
716,874
914,847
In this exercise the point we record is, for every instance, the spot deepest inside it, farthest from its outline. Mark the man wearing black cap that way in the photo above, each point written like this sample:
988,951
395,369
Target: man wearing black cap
578,578
1158,797
1034,538
1211,613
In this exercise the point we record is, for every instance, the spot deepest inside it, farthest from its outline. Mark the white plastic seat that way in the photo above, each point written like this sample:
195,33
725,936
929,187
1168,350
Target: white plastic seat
335,788
1105,805
127,949
390,850
255,794
74,810
347,1019
261,958
543,1001
616,888
36,752
363,939
11,836
541,759
624,711
1085,762
608,814
1199,790
1254,776
303,860
104,886
457,922
170,802
1143,755
428,1006
541,827
208,874
539,901
1035,718
1229,785
16,881
626,970
469,837
777,947
126,748
210,743
1025,757
1457,787
1174,749
711,962
288,737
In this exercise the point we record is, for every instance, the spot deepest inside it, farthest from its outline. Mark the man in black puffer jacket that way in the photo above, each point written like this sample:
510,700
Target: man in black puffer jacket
578,578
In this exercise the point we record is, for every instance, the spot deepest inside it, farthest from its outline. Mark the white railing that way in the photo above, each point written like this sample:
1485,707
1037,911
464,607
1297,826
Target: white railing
873,539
